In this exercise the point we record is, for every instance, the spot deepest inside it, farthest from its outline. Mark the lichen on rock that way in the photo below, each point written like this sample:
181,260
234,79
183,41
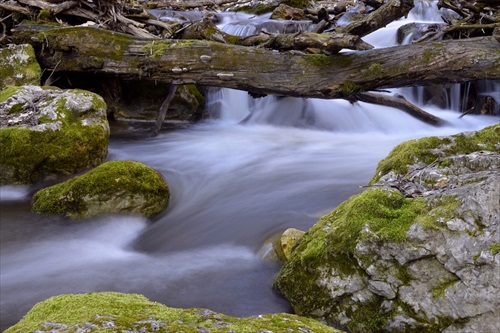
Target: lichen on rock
414,253
46,131
118,312
18,66
116,187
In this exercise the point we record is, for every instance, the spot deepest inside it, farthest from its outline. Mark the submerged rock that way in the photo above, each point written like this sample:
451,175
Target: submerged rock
116,187
417,252
18,66
117,312
46,131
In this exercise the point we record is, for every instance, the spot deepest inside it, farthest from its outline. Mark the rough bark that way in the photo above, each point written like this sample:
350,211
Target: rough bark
83,49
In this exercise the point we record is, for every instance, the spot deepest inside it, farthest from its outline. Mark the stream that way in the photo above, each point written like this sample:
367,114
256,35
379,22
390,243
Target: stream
256,168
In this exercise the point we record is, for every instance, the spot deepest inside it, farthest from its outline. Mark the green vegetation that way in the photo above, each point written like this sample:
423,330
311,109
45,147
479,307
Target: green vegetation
257,9
367,318
376,69
156,48
50,152
126,179
349,87
117,312
429,55
18,66
322,60
494,249
431,149
444,208
386,213
439,289
296,3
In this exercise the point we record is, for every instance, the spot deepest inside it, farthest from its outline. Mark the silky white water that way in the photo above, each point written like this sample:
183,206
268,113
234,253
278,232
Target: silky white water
258,167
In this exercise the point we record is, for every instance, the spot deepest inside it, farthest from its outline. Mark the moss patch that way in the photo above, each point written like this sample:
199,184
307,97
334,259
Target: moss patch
430,149
494,249
296,3
106,186
385,212
18,66
439,289
322,60
117,312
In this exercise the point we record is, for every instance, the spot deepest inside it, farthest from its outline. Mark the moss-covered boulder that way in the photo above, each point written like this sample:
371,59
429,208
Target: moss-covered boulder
418,252
46,131
116,187
117,312
18,66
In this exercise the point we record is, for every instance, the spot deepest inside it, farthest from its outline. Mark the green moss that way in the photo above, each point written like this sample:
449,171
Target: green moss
429,55
494,249
386,213
439,289
444,208
49,152
7,92
18,66
131,312
376,69
322,60
348,87
431,149
296,3
100,43
367,317
44,15
109,179
257,9
156,48
28,155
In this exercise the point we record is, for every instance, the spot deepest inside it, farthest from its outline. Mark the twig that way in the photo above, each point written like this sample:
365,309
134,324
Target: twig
52,71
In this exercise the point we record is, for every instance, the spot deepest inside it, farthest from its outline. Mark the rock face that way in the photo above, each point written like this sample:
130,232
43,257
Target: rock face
116,187
116,312
47,131
18,66
417,252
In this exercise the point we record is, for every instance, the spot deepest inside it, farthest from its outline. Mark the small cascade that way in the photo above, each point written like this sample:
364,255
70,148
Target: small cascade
339,115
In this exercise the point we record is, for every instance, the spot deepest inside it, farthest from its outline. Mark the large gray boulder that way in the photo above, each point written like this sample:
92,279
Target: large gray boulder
417,252
46,131
116,187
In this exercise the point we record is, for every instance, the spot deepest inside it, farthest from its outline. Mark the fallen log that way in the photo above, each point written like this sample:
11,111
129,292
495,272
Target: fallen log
92,50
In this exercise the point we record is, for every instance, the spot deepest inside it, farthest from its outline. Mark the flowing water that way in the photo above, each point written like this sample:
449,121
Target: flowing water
256,168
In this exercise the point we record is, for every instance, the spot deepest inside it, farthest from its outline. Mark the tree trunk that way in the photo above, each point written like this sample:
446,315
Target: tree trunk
90,50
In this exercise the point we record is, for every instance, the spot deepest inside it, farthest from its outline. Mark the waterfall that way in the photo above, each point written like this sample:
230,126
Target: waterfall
339,115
